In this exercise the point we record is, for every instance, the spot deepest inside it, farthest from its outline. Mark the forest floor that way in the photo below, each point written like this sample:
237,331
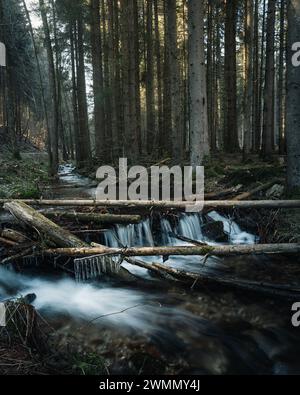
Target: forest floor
24,178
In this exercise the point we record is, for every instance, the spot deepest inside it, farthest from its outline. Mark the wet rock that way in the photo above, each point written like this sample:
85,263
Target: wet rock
29,298
215,231
276,192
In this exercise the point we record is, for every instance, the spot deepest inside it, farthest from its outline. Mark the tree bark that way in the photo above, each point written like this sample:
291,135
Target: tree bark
231,141
248,88
268,124
95,217
199,145
98,87
211,204
293,97
221,250
177,126
47,228
53,92
84,136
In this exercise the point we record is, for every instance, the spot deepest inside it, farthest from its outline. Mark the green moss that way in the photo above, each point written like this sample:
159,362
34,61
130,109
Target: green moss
22,178
89,364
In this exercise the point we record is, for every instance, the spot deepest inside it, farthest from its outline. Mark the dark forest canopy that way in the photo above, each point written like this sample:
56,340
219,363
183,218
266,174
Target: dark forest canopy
96,80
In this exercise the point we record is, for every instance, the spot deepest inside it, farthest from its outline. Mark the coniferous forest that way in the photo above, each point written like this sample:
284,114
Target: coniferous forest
101,287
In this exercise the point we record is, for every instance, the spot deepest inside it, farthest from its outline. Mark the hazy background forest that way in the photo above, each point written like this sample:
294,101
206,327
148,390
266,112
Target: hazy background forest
95,80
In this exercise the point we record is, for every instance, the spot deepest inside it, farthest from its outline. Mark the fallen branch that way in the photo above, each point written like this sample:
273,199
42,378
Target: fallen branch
95,217
219,250
255,191
53,232
151,204
43,225
192,278
7,242
14,236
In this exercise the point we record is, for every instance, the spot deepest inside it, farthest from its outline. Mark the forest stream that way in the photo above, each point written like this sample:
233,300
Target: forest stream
163,329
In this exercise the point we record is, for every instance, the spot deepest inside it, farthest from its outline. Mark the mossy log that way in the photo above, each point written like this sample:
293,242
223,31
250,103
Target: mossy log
95,218
197,279
151,204
47,228
219,250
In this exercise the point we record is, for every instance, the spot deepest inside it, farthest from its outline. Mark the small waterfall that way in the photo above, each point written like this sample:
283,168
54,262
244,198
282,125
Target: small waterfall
166,233
236,235
133,235
190,226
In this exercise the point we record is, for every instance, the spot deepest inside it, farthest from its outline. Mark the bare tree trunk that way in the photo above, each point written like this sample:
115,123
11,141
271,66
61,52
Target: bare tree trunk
174,69
112,73
231,141
268,125
255,108
165,137
72,32
293,96
281,85
150,134
98,88
84,137
41,86
131,135
248,89
159,75
199,145
53,92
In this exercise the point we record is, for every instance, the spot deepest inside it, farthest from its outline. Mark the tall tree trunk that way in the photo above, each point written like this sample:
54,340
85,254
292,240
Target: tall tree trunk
84,137
53,92
255,108
165,137
98,89
177,132
281,87
159,74
248,89
150,135
210,78
129,73
293,96
137,75
112,74
231,141
199,146
72,33
48,143
268,125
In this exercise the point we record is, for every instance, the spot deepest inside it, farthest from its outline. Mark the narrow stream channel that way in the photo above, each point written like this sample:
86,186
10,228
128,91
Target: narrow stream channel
202,331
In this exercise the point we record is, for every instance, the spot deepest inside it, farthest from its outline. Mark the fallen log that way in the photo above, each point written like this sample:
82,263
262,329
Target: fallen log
187,239
219,250
192,279
151,204
255,191
43,225
7,242
95,217
13,235
53,232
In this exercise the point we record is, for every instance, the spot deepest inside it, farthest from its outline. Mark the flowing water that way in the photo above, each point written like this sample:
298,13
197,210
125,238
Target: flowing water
201,331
